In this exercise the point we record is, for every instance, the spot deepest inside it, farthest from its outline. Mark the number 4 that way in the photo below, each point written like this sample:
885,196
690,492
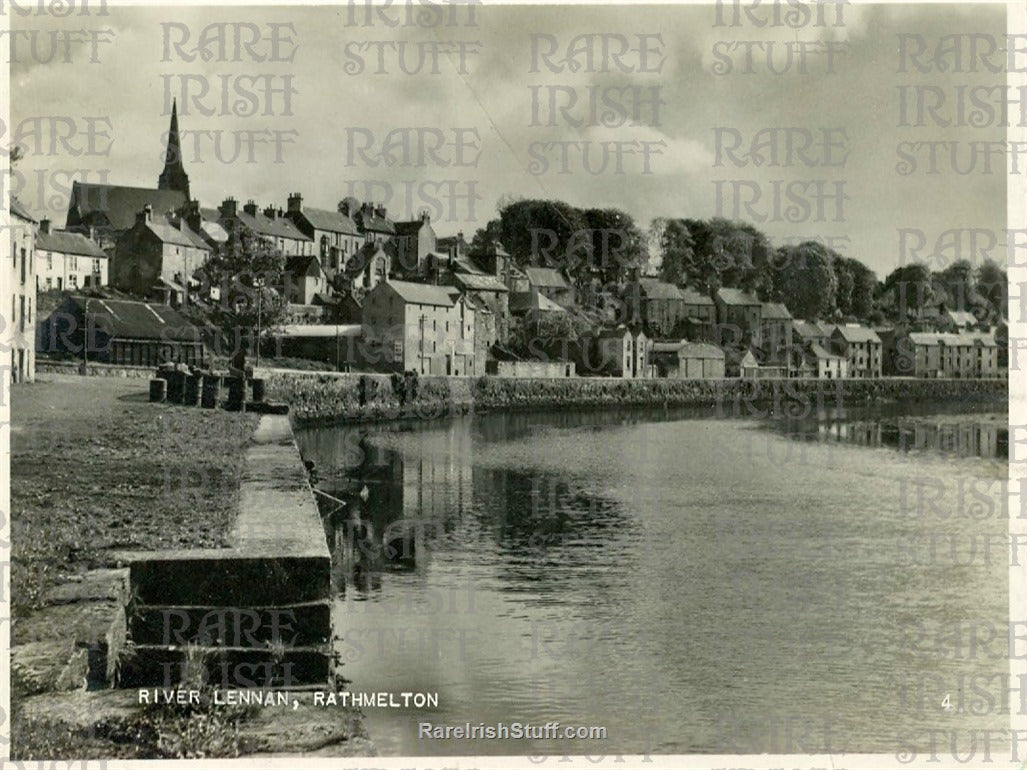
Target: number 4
946,703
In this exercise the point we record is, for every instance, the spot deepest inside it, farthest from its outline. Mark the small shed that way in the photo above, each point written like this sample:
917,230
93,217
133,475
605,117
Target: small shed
688,360
120,332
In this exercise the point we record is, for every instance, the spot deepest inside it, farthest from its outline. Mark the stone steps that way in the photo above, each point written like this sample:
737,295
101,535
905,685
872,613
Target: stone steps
226,667
257,614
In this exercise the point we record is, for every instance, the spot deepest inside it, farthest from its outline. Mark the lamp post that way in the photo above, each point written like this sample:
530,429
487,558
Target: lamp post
258,284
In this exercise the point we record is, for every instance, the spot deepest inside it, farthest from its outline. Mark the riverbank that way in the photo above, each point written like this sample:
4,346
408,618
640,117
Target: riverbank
328,397
97,471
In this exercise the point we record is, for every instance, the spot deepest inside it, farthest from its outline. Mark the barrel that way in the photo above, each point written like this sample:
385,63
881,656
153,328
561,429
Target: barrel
191,393
236,393
158,390
176,386
259,390
211,391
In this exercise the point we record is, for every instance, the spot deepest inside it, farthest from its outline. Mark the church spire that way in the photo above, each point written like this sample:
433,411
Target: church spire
173,177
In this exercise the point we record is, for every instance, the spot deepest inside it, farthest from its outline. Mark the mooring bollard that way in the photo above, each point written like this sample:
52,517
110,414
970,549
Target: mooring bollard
236,393
158,390
211,392
259,390
191,393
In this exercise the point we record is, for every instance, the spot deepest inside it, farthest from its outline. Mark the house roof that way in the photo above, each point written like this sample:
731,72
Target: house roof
775,311
856,333
686,349
962,317
331,221
818,351
693,297
425,293
654,288
736,297
412,227
450,241
279,227
300,265
369,220
64,242
533,301
546,277
807,329
169,233
479,282
19,210
960,339
320,330
118,203
133,320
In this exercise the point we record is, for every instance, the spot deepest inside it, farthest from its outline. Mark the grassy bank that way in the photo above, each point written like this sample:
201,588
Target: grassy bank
95,467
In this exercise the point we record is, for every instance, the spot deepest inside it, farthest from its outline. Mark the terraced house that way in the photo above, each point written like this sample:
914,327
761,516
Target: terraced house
962,355
19,301
861,348
66,260
335,236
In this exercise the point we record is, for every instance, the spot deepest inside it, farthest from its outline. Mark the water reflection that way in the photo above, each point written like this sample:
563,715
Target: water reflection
661,572
985,436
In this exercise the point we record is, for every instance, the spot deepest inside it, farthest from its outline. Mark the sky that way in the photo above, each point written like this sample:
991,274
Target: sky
490,106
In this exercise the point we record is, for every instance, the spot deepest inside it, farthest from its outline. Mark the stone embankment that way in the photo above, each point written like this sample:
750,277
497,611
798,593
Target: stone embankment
319,397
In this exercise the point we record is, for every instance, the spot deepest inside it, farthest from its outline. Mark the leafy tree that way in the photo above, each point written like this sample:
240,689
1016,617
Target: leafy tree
805,279
618,246
864,283
726,253
993,288
542,232
678,249
244,280
908,289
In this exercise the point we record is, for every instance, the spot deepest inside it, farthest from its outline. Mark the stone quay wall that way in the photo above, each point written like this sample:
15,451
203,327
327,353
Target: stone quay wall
319,397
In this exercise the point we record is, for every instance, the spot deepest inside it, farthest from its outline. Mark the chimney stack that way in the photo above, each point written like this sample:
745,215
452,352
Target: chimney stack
295,202
228,208
44,225
250,208
146,215
271,212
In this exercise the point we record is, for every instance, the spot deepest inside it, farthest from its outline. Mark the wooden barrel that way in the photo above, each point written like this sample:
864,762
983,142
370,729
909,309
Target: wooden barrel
158,390
236,393
176,387
259,390
211,392
191,392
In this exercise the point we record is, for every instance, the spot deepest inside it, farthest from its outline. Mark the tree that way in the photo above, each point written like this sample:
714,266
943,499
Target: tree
908,289
618,246
992,286
244,279
805,279
548,233
677,248
725,253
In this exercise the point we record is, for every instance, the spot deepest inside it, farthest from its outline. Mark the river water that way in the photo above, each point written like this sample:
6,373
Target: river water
692,583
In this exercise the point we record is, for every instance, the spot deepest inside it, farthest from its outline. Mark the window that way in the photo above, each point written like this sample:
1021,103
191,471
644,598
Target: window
24,260
73,281
96,266
49,260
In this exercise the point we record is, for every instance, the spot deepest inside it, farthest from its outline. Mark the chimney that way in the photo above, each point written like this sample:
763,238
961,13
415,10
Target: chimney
295,202
44,226
379,210
250,208
228,208
145,215
193,216
426,217
271,212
